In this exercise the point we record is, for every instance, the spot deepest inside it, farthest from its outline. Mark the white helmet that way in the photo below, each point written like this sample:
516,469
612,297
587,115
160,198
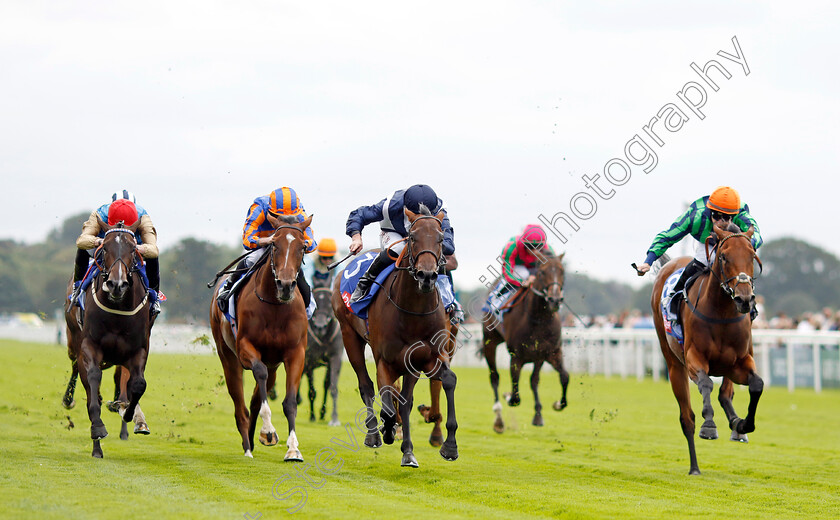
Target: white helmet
123,194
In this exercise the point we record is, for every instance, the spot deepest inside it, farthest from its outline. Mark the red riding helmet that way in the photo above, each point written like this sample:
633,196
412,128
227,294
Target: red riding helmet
122,210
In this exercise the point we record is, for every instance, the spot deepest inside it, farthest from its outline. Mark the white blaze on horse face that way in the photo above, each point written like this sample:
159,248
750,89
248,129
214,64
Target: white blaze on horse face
291,239
265,413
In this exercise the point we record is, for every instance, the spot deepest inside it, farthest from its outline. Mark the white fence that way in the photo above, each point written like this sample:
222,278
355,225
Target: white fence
783,357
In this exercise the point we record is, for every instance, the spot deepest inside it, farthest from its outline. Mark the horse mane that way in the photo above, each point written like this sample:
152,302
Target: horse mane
423,210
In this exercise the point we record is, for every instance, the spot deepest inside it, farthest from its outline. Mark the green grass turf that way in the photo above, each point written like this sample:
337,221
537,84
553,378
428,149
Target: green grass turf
615,452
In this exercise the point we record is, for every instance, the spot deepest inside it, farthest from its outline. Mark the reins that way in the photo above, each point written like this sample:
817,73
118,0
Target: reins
104,273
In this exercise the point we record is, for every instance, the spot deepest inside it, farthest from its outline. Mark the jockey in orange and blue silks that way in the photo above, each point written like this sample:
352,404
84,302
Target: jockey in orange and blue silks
257,233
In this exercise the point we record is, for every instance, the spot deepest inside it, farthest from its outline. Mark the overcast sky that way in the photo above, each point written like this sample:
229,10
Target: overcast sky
201,106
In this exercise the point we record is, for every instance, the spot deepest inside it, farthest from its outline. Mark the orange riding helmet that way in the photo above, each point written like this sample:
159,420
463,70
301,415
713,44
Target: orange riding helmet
327,247
724,200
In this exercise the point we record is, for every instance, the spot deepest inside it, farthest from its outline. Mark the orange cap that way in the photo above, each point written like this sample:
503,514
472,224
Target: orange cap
326,247
725,200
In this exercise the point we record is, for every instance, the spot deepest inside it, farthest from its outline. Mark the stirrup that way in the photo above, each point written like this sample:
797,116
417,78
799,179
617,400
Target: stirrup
154,309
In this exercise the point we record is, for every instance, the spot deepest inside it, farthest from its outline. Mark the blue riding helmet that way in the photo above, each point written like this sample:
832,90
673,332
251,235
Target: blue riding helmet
420,194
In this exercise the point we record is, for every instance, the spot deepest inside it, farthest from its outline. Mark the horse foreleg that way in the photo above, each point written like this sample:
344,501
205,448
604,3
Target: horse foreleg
725,396
515,369
334,370
310,376
557,363
449,450
259,406
490,356
535,381
708,430
68,401
406,404
385,379
92,380
294,371
678,376
323,411
745,374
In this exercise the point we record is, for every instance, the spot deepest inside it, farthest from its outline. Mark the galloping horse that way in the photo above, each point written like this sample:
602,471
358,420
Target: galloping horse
271,329
406,323
718,337
531,331
115,332
324,350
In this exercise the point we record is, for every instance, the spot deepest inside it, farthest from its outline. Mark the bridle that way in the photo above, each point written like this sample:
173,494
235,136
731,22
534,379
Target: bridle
740,278
331,321
270,254
440,261
130,271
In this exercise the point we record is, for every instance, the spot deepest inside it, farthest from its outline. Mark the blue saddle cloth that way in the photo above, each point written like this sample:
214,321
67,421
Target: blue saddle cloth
669,319
93,272
359,266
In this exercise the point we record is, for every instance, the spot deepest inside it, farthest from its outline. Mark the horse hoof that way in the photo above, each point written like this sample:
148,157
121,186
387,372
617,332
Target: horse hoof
124,435
141,429
559,405
511,400
68,404
335,422
321,415
113,406
269,439
98,432
272,394
449,453
538,420
293,455
398,433
739,437
97,454
708,433
388,434
373,440
249,454
311,418
408,460
424,411
436,440
499,426
694,471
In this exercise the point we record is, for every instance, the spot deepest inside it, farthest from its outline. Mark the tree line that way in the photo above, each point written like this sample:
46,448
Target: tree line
797,277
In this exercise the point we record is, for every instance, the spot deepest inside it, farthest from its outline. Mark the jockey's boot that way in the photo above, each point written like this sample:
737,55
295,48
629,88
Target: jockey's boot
379,263
303,287
693,267
153,274
81,267
225,292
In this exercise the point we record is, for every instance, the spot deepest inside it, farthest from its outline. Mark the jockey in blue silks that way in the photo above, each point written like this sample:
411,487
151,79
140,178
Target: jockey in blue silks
393,226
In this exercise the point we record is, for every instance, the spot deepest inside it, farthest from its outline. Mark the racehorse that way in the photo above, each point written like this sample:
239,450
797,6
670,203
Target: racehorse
718,337
408,333
531,330
115,330
271,329
324,350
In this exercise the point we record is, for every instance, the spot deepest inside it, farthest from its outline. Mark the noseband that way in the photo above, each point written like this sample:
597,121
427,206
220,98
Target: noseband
740,278
440,260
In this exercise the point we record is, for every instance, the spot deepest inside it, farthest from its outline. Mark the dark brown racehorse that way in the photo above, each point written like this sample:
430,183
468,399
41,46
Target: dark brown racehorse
531,331
324,350
116,331
718,337
271,329
406,323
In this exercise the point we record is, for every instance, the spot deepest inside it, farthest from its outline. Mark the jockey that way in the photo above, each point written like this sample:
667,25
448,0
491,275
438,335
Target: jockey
520,257
122,207
317,272
257,233
393,228
722,207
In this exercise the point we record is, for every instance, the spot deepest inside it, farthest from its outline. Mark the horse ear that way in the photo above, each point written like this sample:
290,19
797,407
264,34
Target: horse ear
561,256
441,215
103,225
305,224
274,221
750,231
412,216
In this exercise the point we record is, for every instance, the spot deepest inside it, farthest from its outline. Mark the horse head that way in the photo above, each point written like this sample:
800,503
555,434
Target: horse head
288,245
323,312
117,259
734,265
425,247
548,282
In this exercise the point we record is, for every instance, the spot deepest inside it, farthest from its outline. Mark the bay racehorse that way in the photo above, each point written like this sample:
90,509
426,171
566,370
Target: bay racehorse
408,331
324,350
531,330
115,331
718,337
271,329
